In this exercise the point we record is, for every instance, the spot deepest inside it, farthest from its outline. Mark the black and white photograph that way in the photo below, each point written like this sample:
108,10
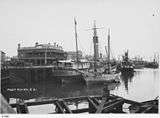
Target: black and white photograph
89,58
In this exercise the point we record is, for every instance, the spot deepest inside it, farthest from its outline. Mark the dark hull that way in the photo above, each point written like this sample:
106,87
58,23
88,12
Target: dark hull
68,76
139,66
127,70
77,79
101,80
152,66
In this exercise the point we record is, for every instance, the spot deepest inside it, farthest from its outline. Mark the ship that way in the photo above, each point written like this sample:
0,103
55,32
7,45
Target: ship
104,74
44,62
71,69
126,66
138,63
154,64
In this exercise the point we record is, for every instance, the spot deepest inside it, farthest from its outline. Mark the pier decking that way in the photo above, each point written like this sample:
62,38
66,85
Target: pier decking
96,104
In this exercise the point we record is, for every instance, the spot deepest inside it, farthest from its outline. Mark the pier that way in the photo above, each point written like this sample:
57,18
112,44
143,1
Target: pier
96,104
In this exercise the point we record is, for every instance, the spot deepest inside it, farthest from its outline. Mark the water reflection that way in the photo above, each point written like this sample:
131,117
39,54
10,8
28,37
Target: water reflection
142,86
126,79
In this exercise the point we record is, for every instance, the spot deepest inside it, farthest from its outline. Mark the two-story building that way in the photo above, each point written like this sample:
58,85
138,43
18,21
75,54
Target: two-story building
41,54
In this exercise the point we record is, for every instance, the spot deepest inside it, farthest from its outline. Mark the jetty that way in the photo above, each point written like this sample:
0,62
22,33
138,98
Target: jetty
95,104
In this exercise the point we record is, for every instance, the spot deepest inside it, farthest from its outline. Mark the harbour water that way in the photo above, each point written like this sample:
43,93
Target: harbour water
142,86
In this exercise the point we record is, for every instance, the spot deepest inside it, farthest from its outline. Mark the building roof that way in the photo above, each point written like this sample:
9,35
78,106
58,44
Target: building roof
42,46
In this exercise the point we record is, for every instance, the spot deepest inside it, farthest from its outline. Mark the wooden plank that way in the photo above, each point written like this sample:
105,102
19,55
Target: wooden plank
132,102
92,106
147,109
95,101
110,102
100,107
90,101
110,107
53,101
60,109
126,100
80,110
66,107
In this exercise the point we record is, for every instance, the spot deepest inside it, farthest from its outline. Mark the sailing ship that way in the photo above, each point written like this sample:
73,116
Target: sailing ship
74,67
100,75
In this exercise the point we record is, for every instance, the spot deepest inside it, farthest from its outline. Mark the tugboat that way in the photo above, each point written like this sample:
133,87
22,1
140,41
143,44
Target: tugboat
126,66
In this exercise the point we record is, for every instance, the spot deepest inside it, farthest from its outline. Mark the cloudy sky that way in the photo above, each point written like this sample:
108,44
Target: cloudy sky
134,24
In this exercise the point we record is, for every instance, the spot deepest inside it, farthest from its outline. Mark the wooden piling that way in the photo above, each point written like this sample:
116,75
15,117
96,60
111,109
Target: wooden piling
92,106
58,108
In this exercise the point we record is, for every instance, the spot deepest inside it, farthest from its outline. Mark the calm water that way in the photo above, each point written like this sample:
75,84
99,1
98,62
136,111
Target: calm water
143,85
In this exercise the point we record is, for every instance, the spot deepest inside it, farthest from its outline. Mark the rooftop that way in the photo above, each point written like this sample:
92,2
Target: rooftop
42,46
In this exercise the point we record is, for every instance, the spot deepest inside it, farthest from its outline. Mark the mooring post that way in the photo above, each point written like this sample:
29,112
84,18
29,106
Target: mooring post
58,108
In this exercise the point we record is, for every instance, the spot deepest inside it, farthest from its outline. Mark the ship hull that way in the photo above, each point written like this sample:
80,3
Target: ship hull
101,80
127,70
68,76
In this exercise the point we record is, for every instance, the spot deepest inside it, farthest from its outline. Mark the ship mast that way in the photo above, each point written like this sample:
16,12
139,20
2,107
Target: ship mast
95,42
75,28
109,70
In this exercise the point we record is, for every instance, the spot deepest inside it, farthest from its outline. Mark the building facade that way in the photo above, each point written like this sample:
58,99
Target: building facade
41,54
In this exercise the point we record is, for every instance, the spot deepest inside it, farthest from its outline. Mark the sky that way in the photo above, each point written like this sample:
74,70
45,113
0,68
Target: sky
134,25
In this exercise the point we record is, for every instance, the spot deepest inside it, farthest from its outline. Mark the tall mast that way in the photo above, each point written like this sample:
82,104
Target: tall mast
109,51
95,42
75,28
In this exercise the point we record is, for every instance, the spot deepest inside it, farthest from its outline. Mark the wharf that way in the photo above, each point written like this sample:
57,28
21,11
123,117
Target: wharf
96,104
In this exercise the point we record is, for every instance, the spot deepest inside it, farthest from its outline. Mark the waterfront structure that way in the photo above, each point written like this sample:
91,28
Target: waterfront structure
41,54
106,103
